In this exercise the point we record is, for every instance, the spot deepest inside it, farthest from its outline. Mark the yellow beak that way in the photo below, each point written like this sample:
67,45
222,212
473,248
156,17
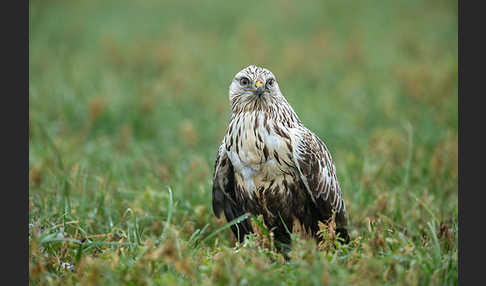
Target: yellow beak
258,84
259,87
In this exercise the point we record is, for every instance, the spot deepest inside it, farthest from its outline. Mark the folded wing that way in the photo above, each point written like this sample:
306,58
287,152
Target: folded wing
318,174
224,198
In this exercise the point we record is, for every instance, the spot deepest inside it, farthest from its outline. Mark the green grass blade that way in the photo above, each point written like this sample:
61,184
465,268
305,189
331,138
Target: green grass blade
226,226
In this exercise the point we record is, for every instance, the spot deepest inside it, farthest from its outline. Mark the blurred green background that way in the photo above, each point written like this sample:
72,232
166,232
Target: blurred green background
128,103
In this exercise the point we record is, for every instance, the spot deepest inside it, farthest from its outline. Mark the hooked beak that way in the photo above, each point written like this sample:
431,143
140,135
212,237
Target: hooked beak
259,88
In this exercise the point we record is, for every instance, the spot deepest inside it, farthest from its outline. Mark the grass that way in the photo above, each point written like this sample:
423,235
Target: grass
128,102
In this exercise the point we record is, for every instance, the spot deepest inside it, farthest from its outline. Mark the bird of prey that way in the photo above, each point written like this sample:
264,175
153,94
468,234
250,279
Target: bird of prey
269,164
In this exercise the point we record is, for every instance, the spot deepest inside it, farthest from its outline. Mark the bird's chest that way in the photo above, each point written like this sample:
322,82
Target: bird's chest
259,155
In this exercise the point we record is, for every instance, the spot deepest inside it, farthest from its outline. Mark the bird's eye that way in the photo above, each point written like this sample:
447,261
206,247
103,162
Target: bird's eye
244,81
270,82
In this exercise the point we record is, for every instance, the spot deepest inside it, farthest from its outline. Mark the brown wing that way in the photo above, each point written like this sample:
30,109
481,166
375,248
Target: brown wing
318,173
224,197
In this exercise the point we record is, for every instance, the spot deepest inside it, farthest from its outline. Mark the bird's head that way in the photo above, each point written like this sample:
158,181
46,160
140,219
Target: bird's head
253,84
